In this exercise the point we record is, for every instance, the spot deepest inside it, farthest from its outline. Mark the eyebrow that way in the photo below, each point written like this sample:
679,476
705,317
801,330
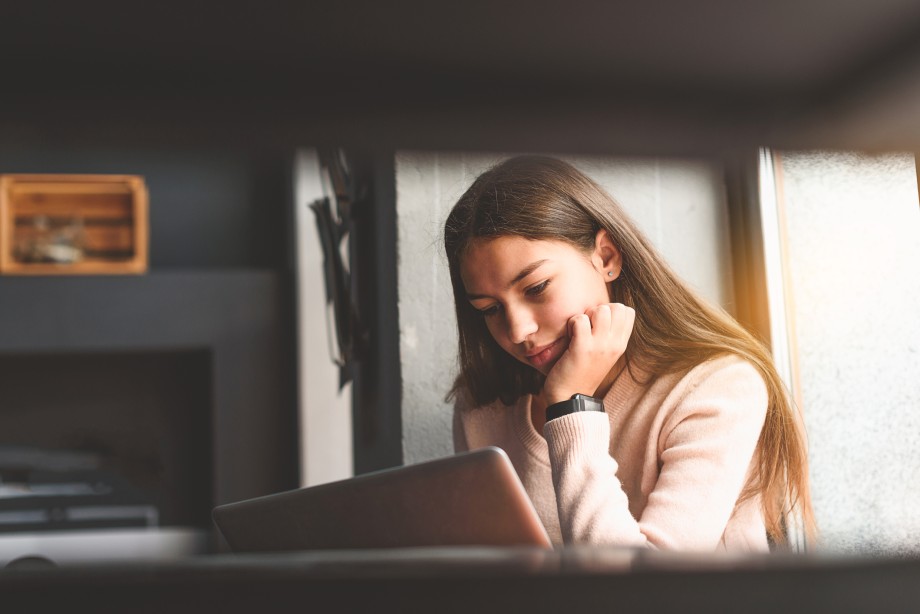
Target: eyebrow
527,270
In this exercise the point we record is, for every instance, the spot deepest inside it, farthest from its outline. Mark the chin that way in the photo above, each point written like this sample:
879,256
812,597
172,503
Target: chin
527,364
545,369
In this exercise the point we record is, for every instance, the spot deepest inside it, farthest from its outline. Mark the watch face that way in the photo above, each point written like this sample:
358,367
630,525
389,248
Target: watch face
591,404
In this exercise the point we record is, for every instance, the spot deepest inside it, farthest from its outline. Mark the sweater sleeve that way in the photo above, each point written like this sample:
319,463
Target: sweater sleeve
704,449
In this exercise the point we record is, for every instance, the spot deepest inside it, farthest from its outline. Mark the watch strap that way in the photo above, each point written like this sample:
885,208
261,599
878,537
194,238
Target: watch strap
578,402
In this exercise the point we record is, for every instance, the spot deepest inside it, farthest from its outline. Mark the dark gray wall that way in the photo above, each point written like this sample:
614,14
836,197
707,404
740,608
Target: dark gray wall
219,285
209,207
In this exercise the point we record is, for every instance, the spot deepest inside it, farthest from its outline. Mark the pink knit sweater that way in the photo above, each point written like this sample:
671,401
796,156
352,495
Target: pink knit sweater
663,468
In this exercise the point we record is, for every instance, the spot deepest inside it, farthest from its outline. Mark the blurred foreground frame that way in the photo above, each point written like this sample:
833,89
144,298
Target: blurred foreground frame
621,78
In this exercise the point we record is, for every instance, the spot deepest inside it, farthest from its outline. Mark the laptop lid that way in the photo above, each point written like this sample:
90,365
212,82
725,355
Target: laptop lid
473,498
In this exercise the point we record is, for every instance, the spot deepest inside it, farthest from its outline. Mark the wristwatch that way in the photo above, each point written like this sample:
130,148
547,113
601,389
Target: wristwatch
578,402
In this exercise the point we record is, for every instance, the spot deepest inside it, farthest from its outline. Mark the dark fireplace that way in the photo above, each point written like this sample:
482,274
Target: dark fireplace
178,386
143,417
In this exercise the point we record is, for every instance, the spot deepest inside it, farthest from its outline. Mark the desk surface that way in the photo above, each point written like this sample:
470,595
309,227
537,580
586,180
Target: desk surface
474,580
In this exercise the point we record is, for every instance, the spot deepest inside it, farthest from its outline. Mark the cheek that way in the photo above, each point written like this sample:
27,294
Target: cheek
567,302
599,293
557,314
574,303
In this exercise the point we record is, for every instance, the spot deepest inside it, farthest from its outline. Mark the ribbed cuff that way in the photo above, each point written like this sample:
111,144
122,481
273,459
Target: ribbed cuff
574,435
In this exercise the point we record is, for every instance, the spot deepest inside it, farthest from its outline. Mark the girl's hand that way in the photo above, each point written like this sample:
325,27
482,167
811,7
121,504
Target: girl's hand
597,339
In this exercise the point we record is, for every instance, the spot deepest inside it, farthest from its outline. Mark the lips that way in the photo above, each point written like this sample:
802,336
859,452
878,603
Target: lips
542,356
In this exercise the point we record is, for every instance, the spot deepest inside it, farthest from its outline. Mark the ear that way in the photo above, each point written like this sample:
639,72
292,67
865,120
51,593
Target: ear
606,257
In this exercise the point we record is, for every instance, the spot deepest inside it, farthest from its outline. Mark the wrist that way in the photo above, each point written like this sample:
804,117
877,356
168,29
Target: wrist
552,399
552,396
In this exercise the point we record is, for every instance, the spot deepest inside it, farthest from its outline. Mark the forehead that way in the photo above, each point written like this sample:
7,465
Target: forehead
499,260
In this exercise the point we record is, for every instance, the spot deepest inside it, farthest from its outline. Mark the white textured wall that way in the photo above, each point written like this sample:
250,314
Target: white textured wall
854,262
679,204
326,449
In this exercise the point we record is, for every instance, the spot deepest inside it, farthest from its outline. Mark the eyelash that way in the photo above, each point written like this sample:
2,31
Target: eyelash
538,289
489,311
533,291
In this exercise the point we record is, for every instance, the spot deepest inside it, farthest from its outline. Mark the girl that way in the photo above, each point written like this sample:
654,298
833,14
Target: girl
635,413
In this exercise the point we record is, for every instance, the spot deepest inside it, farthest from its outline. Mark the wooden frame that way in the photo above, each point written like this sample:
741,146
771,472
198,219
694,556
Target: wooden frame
107,212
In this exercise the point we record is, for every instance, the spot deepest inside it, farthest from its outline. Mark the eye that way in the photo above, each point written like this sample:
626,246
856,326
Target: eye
491,310
538,289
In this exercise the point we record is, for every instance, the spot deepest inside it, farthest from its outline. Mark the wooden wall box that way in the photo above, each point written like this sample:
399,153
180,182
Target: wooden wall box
73,224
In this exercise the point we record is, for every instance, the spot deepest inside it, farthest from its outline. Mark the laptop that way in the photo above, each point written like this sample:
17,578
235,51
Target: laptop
470,499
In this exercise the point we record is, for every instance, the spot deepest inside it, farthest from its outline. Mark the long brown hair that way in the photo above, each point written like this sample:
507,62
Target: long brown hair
546,199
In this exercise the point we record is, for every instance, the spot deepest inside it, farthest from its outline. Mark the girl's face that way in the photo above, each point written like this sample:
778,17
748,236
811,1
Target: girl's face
527,290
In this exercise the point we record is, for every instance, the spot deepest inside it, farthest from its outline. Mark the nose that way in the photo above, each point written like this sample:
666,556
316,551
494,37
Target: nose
521,323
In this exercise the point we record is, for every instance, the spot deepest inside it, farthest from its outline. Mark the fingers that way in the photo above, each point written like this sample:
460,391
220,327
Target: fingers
609,323
611,317
579,326
601,317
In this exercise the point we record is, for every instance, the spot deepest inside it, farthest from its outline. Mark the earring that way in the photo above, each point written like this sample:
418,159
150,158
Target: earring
609,273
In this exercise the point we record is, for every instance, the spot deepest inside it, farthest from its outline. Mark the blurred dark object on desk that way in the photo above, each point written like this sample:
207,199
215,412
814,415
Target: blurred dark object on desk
47,490
475,579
